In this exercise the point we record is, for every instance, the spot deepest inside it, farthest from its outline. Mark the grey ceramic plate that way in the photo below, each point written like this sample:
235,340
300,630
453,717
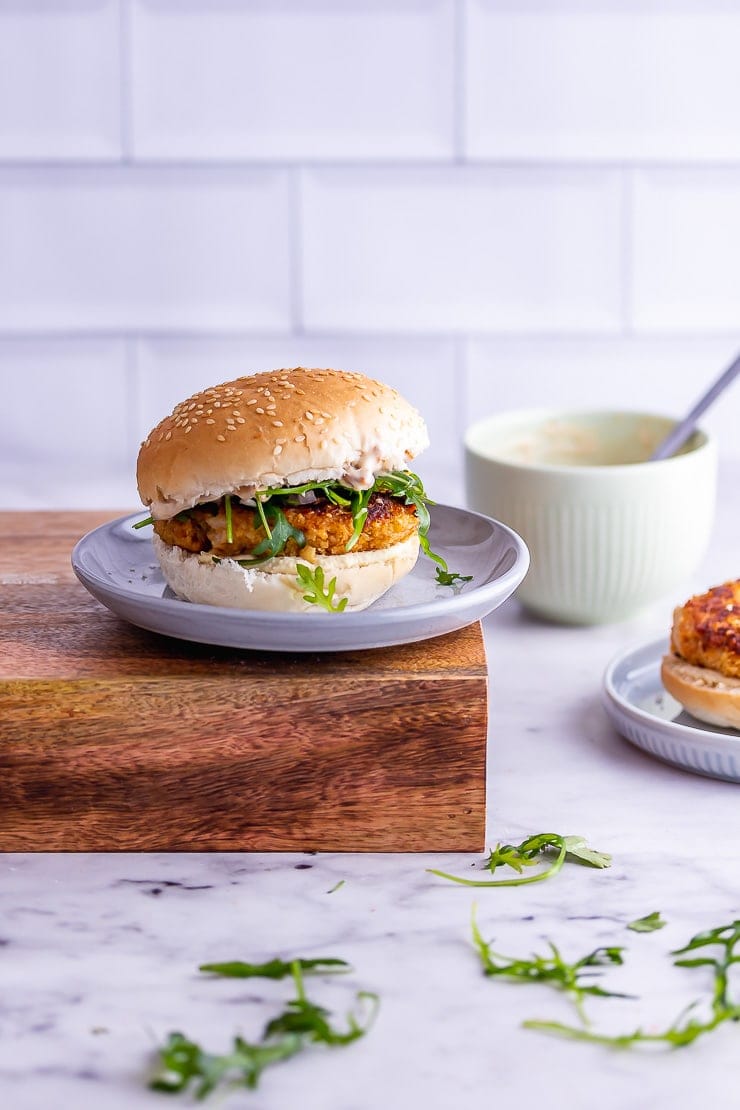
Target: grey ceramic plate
118,566
646,714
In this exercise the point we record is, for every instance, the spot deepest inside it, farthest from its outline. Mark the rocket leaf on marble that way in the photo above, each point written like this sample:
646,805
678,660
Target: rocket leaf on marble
532,851
185,1066
647,924
275,969
552,969
685,1029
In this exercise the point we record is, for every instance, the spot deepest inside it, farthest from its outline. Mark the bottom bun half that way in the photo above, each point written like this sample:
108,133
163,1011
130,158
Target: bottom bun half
362,577
706,694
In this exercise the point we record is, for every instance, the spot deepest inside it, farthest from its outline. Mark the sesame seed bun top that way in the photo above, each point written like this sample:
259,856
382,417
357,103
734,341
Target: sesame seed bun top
279,428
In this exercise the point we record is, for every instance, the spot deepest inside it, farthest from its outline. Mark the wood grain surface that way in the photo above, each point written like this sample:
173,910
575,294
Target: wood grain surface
113,738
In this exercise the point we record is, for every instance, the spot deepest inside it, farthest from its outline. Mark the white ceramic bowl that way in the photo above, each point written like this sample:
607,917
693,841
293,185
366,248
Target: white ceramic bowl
608,531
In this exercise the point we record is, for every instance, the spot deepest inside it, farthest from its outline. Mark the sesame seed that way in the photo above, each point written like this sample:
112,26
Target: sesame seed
278,450
168,436
277,423
252,401
188,429
260,411
299,439
210,420
221,439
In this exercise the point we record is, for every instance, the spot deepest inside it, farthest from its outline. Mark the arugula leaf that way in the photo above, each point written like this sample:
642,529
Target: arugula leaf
259,501
576,848
279,531
317,592
183,1062
399,483
647,924
552,969
360,503
451,578
274,969
184,1065
229,519
306,1019
684,1030
529,853
406,484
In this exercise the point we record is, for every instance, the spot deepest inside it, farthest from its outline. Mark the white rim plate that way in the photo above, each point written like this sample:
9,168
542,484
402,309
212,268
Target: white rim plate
118,566
645,714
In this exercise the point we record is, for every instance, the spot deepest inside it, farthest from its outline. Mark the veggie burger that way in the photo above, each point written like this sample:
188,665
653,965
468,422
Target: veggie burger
287,490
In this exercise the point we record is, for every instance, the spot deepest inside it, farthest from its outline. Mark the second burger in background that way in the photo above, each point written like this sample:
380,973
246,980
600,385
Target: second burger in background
702,669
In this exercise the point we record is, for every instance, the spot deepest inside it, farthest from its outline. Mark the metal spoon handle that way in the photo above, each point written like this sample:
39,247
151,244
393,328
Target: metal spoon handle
678,435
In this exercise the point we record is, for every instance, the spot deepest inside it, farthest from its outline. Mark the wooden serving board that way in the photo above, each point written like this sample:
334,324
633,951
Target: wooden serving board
112,738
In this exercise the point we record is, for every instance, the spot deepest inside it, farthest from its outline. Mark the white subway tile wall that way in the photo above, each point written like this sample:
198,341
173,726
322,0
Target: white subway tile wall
487,203
603,79
60,79
131,248
339,79
464,249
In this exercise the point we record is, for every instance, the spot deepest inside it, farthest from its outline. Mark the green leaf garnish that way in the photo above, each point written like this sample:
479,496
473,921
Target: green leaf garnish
183,1063
274,969
261,510
360,503
317,592
529,853
685,1029
451,578
305,1019
229,519
185,1066
398,483
143,523
279,531
576,848
551,969
647,924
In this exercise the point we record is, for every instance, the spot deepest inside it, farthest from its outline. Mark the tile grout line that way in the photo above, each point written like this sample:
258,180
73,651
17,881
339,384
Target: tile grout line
627,253
459,89
125,84
460,363
361,335
368,164
295,251
133,387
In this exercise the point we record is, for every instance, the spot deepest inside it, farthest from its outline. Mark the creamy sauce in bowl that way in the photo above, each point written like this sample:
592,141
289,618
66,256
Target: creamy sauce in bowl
574,440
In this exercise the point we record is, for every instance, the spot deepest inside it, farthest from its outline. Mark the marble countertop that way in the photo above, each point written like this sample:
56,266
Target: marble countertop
99,954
